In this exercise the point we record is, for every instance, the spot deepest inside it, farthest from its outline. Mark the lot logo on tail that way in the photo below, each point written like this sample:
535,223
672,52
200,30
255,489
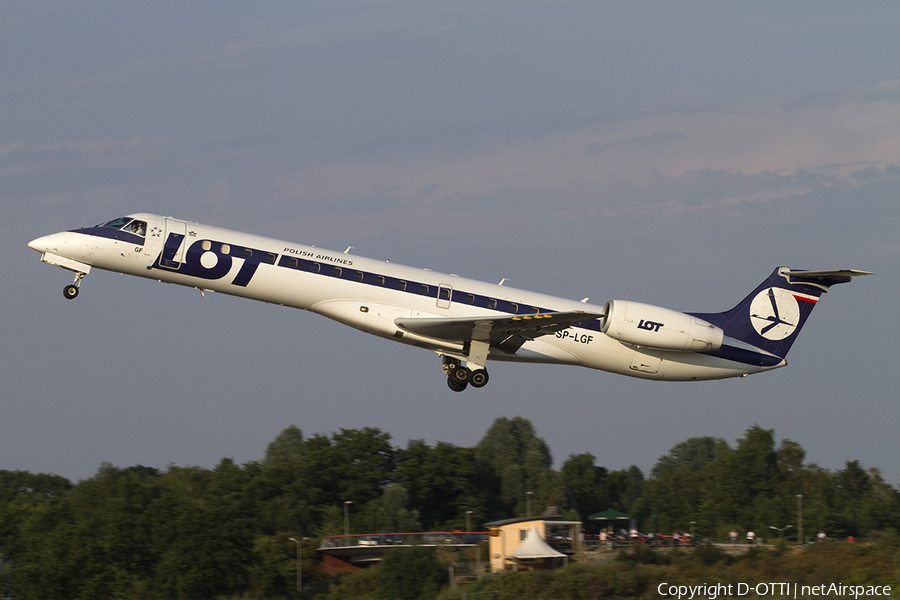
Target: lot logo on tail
775,313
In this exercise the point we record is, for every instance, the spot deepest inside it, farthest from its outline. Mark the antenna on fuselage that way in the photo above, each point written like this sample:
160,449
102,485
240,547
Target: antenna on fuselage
349,248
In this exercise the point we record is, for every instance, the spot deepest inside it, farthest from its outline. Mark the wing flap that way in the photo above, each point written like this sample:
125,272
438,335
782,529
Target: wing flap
493,329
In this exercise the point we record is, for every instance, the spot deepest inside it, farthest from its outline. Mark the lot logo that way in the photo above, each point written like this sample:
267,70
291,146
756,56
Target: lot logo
774,313
649,325
208,259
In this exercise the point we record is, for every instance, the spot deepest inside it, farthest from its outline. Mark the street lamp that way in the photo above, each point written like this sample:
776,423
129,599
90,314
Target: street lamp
781,529
528,503
469,520
347,504
800,518
299,557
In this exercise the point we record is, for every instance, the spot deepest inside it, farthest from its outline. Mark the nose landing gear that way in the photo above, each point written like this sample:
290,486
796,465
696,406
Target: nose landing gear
70,292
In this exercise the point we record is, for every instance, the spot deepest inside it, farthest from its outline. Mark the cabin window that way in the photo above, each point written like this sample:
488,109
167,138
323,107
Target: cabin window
513,308
270,258
470,299
533,309
492,303
401,285
379,280
247,253
444,293
423,289
336,272
291,262
315,267
358,276
226,249
206,245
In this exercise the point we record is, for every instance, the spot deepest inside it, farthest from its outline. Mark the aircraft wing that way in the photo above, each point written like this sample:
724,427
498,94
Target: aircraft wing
507,333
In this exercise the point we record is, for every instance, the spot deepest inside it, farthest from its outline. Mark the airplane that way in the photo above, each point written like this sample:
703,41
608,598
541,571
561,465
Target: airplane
464,321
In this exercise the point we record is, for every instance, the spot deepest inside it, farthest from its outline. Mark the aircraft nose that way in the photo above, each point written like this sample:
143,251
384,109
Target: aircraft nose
47,243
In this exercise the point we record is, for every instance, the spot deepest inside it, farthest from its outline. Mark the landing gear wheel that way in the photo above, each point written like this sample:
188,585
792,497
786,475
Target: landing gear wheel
460,375
70,292
455,385
479,378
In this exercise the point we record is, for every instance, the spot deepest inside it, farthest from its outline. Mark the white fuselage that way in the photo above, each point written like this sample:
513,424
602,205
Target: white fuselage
363,293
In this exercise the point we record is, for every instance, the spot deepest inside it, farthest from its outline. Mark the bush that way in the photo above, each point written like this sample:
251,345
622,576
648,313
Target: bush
709,554
648,556
413,573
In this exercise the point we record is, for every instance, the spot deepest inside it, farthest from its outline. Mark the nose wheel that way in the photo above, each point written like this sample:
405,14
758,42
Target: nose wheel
70,292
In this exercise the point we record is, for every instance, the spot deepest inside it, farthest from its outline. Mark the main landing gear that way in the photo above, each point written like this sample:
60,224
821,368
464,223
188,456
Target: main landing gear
70,292
460,377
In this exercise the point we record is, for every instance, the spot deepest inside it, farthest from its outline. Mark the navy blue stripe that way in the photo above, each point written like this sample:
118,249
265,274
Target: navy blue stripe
413,287
113,234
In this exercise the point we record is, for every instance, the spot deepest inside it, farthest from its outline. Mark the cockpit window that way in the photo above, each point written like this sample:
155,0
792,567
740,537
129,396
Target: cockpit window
116,223
127,224
137,227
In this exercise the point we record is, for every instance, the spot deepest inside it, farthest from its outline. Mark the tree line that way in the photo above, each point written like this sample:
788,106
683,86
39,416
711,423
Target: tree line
191,532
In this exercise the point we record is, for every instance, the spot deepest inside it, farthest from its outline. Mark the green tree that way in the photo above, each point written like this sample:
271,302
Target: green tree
693,453
513,460
395,506
203,533
442,482
286,451
354,464
23,497
625,487
93,541
585,484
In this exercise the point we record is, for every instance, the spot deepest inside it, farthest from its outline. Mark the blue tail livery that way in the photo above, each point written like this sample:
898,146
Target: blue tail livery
769,320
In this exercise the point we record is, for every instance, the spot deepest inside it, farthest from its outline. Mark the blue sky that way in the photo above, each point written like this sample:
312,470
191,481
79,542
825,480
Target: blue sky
669,153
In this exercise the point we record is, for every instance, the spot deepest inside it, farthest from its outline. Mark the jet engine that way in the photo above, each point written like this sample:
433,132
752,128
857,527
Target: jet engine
662,328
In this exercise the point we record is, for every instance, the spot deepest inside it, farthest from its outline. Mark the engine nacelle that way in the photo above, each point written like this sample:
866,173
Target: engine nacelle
656,327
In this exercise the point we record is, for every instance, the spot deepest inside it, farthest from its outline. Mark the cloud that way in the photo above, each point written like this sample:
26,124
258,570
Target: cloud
232,51
705,158
661,162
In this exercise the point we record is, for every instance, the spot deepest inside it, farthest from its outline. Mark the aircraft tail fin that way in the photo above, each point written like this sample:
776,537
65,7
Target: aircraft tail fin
770,318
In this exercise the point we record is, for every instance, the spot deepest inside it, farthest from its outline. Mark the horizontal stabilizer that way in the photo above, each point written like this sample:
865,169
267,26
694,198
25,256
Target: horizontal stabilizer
821,278
839,273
